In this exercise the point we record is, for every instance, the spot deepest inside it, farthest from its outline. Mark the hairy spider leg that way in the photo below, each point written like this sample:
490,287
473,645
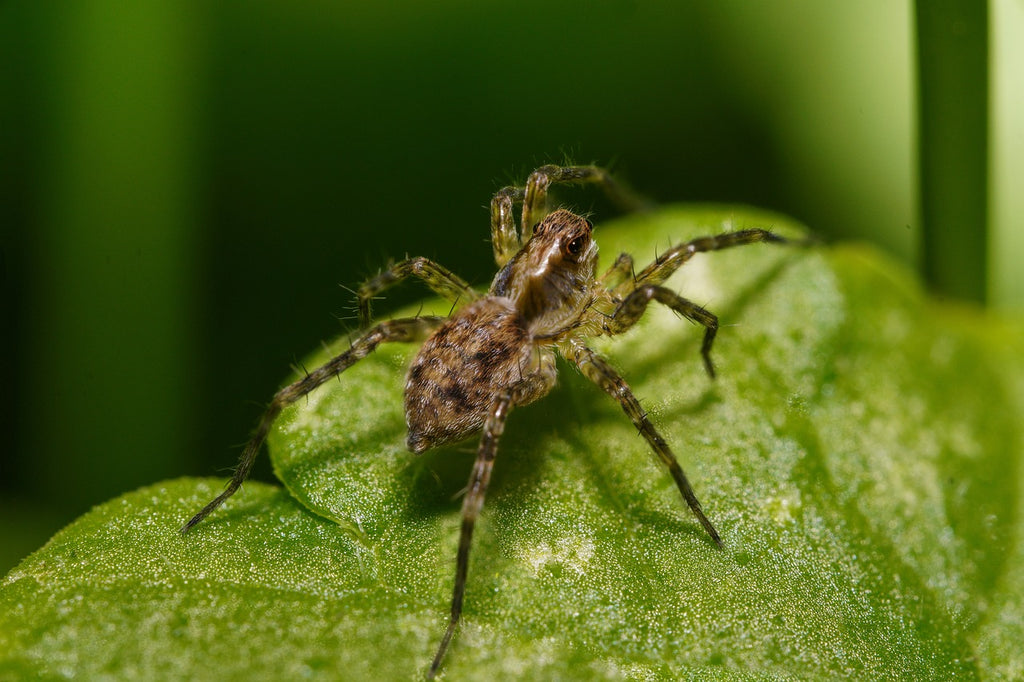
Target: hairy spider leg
506,240
620,271
406,330
471,505
441,281
541,381
597,369
667,263
504,235
632,308
535,199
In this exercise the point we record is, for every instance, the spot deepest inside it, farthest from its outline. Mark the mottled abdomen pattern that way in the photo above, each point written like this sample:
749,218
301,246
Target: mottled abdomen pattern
461,369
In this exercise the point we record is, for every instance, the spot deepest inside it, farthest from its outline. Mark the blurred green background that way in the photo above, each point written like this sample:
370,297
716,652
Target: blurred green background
184,185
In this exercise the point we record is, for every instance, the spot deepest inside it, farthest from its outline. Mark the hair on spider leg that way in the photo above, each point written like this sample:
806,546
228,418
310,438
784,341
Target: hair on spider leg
345,319
498,350
299,368
454,305
305,373
352,315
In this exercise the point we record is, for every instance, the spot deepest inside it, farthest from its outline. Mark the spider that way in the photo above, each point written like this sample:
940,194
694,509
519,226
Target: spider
497,351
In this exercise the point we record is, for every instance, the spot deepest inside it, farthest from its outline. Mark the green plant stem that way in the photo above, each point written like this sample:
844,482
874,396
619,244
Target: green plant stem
952,56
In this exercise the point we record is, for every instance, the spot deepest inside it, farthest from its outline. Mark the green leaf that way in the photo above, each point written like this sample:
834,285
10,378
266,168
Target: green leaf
859,453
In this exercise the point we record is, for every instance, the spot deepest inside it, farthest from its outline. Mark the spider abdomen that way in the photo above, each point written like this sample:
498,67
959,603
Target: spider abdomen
459,371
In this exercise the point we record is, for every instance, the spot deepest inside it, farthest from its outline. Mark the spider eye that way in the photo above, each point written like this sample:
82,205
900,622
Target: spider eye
574,247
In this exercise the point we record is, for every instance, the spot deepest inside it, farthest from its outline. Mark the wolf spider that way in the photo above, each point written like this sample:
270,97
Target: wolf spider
497,351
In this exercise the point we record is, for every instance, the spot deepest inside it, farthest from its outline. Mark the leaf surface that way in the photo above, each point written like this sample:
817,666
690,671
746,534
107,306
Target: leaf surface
859,453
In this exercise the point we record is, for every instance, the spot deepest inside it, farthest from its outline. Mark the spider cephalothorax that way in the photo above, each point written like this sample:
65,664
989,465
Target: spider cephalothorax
495,342
498,350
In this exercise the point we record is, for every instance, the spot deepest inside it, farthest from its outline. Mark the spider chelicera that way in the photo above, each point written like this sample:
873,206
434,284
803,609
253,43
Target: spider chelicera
497,351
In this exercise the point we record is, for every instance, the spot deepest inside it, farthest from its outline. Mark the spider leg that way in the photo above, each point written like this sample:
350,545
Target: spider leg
506,240
523,391
440,280
504,235
597,369
620,271
471,505
632,308
667,263
404,330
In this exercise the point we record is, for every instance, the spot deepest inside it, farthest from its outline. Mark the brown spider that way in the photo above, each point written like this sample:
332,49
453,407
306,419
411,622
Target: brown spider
498,350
